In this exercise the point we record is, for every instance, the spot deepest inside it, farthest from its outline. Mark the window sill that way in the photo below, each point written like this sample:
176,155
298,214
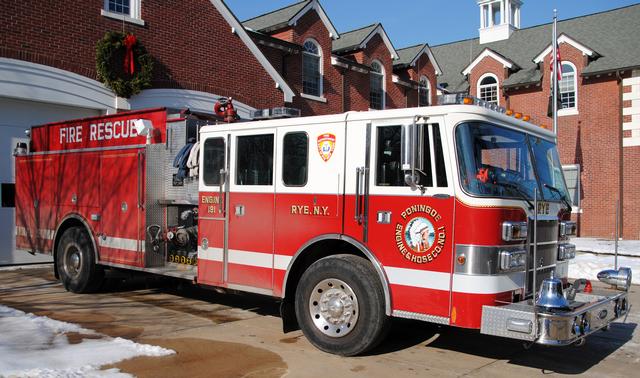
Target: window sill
121,17
314,98
567,112
576,210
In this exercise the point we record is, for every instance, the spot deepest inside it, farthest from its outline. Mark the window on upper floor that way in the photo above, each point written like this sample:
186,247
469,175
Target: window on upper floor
567,86
488,88
127,10
376,86
312,69
424,92
572,177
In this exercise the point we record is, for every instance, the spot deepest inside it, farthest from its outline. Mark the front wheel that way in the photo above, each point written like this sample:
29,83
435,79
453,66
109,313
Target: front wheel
76,262
340,305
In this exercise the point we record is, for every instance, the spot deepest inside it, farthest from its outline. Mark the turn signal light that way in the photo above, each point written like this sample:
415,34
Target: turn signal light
518,115
526,118
467,101
509,112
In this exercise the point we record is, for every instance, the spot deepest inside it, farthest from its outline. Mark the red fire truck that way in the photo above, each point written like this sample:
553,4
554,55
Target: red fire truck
456,214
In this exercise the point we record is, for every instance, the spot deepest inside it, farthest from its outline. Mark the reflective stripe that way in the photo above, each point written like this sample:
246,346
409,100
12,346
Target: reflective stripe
121,243
469,284
418,278
43,233
248,258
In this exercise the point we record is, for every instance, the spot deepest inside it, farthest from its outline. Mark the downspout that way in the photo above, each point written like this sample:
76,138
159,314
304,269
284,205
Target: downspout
620,155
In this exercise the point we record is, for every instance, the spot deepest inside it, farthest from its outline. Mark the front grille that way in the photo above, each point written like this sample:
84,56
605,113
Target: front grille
547,253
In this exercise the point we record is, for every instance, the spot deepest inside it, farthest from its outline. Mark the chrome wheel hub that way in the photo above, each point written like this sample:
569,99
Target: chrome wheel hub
72,261
333,307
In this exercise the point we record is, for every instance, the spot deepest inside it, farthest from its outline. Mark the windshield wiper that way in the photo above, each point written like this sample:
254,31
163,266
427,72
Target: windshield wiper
523,194
563,197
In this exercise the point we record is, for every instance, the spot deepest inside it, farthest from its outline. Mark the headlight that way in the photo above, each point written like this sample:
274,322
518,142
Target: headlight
513,260
514,231
566,252
568,228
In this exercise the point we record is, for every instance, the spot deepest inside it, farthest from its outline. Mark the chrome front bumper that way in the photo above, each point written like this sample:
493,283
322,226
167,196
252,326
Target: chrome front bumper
589,313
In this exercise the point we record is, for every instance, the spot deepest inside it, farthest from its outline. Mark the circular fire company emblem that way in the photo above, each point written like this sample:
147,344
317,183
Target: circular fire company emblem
326,145
416,237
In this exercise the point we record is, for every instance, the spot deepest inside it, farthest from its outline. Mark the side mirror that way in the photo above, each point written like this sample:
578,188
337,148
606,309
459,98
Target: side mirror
412,155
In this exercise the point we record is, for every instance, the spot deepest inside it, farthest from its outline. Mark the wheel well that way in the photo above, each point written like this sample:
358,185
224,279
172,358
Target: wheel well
313,253
64,226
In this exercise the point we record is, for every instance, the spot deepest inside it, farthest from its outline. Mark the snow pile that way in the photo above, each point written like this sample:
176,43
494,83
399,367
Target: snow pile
587,265
625,247
36,346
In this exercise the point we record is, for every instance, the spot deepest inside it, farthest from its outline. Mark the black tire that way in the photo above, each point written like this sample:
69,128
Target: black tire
76,262
330,317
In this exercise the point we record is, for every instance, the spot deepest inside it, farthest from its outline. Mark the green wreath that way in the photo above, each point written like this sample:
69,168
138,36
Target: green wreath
126,70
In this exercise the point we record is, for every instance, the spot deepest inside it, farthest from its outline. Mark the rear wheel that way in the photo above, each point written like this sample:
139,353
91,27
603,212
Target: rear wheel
76,262
340,305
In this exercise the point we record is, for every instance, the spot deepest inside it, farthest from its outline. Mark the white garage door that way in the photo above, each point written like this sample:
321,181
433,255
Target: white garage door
15,117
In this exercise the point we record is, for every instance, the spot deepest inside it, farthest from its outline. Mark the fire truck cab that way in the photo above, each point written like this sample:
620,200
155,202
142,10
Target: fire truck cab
454,214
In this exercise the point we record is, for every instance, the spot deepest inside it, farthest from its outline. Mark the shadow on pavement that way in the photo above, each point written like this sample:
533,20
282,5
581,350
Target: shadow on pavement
563,360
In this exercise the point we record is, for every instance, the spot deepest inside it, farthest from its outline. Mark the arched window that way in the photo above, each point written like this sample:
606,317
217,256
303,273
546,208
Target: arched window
488,88
568,86
376,87
424,92
312,69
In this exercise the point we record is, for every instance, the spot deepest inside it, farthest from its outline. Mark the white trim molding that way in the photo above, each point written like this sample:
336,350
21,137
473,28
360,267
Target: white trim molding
632,111
36,82
487,52
240,31
315,5
201,102
385,38
563,38
427,50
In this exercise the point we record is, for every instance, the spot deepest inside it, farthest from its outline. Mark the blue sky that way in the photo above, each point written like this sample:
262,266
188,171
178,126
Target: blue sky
409,22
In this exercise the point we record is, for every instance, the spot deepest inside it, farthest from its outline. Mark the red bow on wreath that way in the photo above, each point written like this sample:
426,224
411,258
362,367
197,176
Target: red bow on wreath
129,41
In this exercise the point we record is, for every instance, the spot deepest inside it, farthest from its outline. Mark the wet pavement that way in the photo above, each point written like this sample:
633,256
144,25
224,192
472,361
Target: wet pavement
232,335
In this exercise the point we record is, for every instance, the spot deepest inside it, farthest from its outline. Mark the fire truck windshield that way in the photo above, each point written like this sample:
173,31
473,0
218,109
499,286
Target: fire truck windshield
499,162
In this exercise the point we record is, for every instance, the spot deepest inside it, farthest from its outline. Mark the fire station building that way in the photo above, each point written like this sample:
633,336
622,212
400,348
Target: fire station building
295,57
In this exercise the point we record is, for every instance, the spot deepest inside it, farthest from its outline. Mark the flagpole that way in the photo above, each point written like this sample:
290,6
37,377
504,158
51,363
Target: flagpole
555,72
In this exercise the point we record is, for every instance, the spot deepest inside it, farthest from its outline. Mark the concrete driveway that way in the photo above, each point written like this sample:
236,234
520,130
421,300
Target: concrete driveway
228,335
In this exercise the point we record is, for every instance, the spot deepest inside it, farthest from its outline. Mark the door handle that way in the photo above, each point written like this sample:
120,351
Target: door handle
358,209
223,176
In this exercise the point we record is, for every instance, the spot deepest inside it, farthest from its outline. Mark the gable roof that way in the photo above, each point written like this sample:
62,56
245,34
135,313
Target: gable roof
409,55
487,52
611,34
288,16
237,28
358,38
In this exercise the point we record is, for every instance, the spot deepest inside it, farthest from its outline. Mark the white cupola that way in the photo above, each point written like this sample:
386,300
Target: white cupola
498,19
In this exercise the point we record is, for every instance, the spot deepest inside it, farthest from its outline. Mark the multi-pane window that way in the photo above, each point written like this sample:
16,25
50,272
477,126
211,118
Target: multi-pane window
567,86
119,6
376,86
572,178
311,69
255,160
424,92
295,159
388,160
488,89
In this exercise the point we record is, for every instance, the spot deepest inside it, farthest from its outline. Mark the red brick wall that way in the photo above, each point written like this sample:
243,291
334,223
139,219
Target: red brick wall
591,139
187,49
631,185
423,67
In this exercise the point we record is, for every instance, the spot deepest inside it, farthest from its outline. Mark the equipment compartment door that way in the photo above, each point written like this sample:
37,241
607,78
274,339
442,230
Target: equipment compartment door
121,228
213,208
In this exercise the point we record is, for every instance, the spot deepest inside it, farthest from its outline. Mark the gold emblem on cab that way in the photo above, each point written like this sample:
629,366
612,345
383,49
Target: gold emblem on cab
326,145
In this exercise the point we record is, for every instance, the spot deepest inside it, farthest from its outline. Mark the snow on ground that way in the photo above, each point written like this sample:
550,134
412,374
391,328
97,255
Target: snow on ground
26,266
587,265
36,346
625,247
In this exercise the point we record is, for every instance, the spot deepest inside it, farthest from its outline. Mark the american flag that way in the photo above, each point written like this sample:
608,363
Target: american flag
559,64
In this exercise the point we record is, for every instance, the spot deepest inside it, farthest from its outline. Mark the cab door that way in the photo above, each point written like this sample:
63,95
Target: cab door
409,231
251,217
213,216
